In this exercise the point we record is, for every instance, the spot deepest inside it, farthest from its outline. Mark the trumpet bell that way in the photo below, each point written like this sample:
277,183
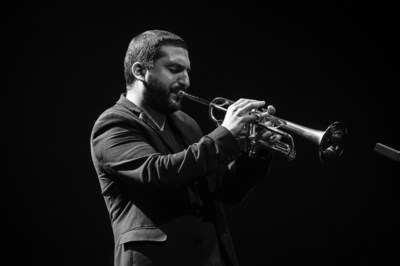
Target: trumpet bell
332,142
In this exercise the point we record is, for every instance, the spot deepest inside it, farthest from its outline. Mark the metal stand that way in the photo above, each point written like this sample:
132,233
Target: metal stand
387,152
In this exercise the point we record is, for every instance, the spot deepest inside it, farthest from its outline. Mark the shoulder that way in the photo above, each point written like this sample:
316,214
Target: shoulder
116,115
121,111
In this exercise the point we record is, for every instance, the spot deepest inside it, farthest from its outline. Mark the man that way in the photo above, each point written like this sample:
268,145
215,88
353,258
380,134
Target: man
163,181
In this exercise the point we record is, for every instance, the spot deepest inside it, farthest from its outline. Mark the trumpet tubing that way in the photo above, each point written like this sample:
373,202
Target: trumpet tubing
330,142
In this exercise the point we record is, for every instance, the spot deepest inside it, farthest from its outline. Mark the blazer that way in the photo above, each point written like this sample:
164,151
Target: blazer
157,195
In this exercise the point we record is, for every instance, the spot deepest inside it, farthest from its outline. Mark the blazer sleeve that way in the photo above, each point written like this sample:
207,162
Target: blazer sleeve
121,150
236,182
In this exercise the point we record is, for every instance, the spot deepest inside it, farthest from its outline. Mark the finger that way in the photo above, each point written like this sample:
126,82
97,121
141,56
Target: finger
271,136
238,105
269,118
267,134
252,104
268,124
271,109
240,101
251,118
248,104
265,116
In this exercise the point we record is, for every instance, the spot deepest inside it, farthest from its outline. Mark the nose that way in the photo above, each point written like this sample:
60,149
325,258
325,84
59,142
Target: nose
184,80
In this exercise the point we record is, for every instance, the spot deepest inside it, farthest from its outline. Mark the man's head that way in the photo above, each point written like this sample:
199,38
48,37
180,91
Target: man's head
159,61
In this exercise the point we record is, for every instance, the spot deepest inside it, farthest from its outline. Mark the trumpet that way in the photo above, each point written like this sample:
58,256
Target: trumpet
330,142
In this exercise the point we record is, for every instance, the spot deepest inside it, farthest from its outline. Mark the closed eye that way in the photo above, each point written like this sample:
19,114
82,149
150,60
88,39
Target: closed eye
176,68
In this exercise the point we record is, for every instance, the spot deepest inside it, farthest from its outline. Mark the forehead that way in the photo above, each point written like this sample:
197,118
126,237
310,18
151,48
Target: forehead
174,54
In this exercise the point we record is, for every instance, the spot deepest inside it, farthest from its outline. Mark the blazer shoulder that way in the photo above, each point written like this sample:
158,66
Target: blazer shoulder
115,115
119,112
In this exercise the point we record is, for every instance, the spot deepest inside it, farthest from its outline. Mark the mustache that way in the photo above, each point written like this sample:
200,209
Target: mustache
177,88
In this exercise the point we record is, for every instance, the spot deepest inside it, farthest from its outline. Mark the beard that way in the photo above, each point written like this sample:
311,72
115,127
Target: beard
158,97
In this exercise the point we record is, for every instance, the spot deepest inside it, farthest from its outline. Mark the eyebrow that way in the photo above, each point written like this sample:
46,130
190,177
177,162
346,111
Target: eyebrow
179,65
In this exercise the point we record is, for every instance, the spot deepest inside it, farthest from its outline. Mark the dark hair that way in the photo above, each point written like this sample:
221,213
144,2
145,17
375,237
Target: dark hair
145,48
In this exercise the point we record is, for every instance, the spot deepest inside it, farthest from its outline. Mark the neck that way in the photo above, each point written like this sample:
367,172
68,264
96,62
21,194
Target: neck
136,97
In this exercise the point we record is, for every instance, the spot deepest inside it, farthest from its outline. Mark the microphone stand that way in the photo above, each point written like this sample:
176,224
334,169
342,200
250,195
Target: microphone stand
387,151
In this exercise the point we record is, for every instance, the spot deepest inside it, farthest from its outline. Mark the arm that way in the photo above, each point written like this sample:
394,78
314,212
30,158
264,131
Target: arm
240,178
235,183
122,149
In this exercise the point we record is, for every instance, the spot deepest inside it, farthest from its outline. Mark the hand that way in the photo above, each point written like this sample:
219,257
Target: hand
268,134
237,115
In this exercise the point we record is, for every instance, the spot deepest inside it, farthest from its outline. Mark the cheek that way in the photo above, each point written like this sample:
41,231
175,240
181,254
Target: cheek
166,77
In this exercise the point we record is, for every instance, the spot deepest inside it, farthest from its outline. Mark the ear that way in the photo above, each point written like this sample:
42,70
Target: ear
138,71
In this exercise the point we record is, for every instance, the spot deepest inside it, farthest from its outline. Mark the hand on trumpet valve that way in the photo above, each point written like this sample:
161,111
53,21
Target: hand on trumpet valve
266,134
239,114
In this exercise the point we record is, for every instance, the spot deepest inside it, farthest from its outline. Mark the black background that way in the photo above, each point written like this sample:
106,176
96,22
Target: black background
315,63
